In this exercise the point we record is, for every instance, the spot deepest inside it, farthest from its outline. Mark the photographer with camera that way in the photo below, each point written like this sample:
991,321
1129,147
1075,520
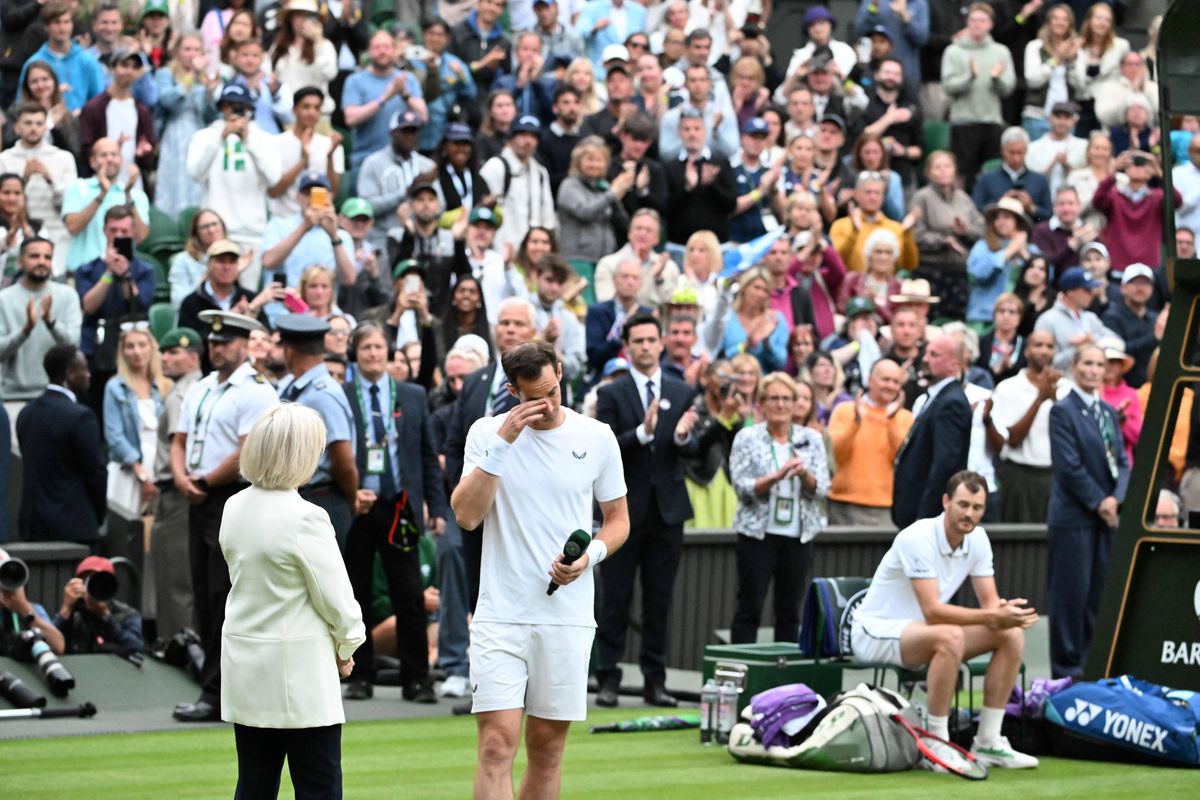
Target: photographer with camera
1135,213
91,619
18,613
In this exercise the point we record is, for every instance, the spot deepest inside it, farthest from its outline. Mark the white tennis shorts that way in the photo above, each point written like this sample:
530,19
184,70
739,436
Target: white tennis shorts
540,668
877,639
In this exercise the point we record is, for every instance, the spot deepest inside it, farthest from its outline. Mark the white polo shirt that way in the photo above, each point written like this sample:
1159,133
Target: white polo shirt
1010,401
922,551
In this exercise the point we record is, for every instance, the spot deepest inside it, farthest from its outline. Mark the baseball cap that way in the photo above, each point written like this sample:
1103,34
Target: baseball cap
458,132
1076,278
879,30
482,214
1137,271
223,247
312,179
155,7
543,2
614,52
614,365
1064,108
834,119
406,118
1098,247
406,266
95,564
756,126
357,207
616,66
859,305
123,54
236,94
421,186
187,338
527,123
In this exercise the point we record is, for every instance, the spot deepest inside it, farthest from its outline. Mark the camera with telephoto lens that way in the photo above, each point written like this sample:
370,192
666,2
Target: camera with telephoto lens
32,647
101,586
19,693
14,574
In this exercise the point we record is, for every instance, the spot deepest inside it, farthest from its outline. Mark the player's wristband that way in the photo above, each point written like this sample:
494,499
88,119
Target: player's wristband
494,455
597,551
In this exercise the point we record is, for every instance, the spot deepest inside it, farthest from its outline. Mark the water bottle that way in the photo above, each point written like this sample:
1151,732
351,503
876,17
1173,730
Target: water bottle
726,711
709,697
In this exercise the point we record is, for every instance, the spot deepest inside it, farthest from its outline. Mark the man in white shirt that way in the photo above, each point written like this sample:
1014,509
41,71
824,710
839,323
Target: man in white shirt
47,171
521,183
907,619
1018,415
236,162
1058,152
530,477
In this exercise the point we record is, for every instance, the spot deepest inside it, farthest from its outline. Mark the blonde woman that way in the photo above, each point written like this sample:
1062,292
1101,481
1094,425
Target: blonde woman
184,93
318,290
292,624
702,262
1087,178
1099,60
133,401
780,473
581,76
752,326
1049,74
588,205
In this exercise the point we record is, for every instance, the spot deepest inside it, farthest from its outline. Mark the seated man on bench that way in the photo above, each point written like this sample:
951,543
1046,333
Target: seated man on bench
907,619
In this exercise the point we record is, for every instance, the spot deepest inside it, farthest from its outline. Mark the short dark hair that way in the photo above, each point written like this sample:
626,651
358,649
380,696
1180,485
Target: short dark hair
640,319
436,22
365,329
972,480
335,358
686,319
697,35
641,127
32,240
525,362
564,88
307,91
27,108
555,264
117,212
58,360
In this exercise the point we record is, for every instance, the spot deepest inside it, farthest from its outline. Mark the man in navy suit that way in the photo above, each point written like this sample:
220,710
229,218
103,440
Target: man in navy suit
63,497
938,441
652,416
397,461
1090,476
605,320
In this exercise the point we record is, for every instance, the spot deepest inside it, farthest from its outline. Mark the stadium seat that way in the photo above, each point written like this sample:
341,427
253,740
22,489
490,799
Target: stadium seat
990,164
162,319
185,222
937,137
164,233
587,271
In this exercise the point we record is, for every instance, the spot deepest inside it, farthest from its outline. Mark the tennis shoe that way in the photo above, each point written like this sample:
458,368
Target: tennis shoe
999,753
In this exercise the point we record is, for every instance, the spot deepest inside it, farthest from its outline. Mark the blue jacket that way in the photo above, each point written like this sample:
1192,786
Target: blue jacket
987,273
992,185
122,423
907,37
594,41
115,305
1081,475
78,68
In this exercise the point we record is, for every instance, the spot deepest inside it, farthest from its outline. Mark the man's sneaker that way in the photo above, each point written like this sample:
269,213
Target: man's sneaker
999,753
455,686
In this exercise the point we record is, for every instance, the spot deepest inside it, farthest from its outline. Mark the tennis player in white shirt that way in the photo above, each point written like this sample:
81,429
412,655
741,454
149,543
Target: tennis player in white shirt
530,477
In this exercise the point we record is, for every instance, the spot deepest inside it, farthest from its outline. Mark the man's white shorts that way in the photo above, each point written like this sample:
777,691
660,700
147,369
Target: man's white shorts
877,639
540,668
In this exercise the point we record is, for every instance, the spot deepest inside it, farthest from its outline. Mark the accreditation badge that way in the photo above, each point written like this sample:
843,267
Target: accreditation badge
376,460
197,453
785,510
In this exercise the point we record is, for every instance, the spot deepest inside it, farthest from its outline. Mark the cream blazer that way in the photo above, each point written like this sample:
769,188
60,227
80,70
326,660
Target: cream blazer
290,611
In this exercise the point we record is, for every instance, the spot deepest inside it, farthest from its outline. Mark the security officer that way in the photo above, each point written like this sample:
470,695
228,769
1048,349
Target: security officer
397,460
217,415
334,486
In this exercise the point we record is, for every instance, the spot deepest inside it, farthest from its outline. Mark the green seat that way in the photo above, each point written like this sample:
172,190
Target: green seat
383,18
587,271
989,165
162,287
185,221
162,319
937,137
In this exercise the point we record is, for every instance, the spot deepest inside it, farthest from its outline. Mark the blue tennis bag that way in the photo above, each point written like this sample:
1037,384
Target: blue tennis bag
1126,719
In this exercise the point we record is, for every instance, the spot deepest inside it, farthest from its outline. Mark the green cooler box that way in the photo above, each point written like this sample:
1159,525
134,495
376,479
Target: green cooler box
757,667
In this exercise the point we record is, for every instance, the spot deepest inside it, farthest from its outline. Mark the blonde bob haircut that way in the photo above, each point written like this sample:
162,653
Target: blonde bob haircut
589,144
283,447
781,378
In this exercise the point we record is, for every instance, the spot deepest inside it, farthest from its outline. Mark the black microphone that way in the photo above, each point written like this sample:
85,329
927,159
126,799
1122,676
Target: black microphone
577,542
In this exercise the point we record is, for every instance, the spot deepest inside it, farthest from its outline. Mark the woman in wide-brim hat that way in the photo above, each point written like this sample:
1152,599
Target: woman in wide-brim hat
996,258
1119,394
302,56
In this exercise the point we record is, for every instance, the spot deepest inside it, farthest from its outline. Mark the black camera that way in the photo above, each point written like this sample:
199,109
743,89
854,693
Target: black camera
101,586
32,647
14,574
1139,161
725,389
19,693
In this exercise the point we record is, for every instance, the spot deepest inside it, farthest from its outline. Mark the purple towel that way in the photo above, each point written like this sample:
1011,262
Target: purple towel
775,708
1034,702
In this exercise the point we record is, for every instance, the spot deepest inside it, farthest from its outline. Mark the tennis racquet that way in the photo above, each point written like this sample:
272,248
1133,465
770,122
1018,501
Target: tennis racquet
944,756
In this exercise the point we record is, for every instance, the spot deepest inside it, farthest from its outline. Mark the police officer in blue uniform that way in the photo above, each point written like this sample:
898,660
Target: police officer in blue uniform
334,486
217,414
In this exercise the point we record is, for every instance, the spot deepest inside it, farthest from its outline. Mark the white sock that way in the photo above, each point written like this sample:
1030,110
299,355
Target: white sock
989,724
939,726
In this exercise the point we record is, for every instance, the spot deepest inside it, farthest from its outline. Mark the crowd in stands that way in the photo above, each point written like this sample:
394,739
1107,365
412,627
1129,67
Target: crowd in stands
930,193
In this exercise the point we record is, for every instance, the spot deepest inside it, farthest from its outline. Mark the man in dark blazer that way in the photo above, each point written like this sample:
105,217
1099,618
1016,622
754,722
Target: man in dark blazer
602,331
396,460
63,496
1013,177
938,441
651,414
1090,473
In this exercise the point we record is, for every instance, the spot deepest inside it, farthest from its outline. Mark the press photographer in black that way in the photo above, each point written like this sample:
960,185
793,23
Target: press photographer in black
91,619
18,614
